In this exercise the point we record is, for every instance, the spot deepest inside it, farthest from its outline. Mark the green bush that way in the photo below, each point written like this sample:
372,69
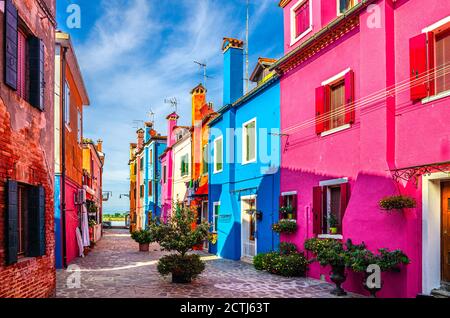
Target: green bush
397,203
143,236
290,265
187,267
285,226
287,248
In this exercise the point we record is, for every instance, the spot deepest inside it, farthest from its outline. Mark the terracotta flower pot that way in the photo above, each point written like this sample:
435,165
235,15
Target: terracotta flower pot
333,230
144,247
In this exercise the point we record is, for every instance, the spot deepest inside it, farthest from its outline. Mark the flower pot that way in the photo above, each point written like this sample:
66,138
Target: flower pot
144,247
338,277
372,290
180,279
290,216
333,230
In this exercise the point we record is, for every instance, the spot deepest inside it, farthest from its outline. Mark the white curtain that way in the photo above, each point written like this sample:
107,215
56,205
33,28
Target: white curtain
80,243
85,225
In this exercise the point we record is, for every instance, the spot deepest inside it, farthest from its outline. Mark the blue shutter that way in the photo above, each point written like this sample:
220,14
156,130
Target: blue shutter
12,215
36,69
36,222
11,40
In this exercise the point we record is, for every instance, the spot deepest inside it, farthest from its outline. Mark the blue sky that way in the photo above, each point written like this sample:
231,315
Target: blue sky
135,53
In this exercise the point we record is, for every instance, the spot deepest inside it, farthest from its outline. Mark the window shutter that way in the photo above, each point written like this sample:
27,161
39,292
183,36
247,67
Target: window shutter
421,62
294,205
11,39
11,227
350,97
320,109
36,222
36,67
21,65
317,210
345,195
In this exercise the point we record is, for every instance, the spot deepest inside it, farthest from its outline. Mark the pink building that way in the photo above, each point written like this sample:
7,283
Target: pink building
358,128
167,167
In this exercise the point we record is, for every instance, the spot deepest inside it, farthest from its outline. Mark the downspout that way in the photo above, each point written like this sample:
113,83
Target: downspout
63,157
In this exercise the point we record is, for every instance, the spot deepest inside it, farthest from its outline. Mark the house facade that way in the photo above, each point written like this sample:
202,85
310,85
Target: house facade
167,168
244,159
357,127
132,194
27,244
182,164
154,146
70,98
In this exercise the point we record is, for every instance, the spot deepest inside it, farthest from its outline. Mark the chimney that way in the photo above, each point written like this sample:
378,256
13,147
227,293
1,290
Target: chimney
148,131
99,145
171,124
233,70
140,139
198,100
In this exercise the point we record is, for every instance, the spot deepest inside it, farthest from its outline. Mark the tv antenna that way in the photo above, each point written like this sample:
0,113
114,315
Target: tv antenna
172,102
205,74
137,123
151,114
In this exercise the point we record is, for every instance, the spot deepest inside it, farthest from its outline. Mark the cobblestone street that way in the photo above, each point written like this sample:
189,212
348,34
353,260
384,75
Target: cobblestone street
115,269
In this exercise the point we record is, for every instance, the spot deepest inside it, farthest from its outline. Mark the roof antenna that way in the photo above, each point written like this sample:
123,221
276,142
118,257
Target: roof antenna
247,84
137,122
205,74
151,114
172,102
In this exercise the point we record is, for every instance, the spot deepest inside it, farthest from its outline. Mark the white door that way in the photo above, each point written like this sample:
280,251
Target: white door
205,216
248,226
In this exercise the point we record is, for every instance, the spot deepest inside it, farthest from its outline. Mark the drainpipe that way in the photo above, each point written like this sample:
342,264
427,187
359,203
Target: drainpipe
63,157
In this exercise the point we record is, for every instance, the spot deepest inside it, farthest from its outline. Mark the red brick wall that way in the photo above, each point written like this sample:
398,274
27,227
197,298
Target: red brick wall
26,155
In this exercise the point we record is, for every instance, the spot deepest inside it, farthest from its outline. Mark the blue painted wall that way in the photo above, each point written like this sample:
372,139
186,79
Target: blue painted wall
58,224
260,178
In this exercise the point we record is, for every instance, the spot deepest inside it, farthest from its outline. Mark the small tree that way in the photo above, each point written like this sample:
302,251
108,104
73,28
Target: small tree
181,234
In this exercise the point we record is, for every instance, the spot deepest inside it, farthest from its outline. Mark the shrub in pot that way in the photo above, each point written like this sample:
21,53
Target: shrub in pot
293,264
333,223
285,226
178,234
144,238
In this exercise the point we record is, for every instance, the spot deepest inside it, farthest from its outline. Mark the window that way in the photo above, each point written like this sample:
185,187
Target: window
335,109
25,219
184,165
344,5
329,204
150,188
142,189
218,154
429,56
80,127
249,142
205,160
22,65
165,174
288,206
443,60
216,210
151,156
301,20
66,103
141,163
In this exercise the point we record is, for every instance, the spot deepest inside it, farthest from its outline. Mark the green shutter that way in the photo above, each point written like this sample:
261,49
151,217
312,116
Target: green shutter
12,214
36,222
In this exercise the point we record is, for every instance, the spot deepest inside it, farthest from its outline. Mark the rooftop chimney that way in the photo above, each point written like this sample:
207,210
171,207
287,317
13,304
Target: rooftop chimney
171,124
233,65
140,139
99,145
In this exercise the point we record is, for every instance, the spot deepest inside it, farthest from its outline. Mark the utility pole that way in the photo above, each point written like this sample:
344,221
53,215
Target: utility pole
247,80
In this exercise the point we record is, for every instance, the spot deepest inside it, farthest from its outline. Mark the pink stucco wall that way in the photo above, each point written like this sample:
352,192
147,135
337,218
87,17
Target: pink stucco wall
388,133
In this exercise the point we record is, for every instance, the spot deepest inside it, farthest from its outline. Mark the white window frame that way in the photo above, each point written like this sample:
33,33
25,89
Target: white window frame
294,38
338,12
66,104
205,161
215,154
214,223
80,126
244,142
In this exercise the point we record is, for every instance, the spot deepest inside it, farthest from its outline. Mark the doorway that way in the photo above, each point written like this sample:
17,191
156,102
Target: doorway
445,232
205,218
248,227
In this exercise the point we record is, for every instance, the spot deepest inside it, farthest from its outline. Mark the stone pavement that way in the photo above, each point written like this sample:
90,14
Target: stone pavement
116,269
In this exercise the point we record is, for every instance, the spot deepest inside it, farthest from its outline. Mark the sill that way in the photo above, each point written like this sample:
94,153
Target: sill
301,36
290,220
218,171
248,162
331,236
335,130
436,97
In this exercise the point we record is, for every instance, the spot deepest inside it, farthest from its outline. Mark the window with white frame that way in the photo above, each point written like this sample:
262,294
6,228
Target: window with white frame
301,20
216,210
205,160
249,141
184,165
80,127
218,154
66,103
345,5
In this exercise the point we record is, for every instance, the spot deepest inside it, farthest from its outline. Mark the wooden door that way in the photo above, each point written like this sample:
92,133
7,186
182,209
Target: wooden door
445,232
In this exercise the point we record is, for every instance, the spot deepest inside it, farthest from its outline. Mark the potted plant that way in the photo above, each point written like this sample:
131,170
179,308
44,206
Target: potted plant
333,223
332,253
397,203
178,234
285,226
144,238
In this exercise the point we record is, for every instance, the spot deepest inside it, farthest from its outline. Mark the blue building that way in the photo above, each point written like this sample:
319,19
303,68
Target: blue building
244,150
154,146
